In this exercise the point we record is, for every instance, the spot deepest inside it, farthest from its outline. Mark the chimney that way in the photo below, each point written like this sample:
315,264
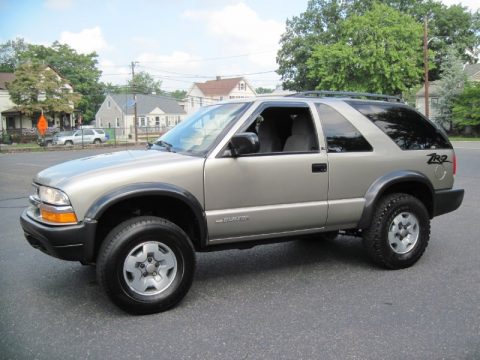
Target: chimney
219,77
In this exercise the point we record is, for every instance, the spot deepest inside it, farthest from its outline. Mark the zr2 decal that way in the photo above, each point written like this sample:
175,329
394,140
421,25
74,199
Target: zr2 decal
437,159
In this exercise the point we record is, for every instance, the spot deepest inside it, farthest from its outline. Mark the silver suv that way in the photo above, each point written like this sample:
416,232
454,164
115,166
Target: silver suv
242,173
82,136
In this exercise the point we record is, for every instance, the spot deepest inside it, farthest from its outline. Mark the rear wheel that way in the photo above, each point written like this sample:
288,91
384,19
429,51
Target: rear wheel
399,232
146,265
97,141
68,143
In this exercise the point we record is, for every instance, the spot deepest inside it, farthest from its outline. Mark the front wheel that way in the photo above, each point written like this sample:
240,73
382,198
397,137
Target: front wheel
146,265
399,232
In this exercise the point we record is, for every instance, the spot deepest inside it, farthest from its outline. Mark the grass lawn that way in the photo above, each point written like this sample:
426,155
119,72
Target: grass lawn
464,138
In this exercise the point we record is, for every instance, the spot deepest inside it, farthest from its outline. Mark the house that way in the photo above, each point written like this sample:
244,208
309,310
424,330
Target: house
155,114
212,91
6,122
14,121
472,72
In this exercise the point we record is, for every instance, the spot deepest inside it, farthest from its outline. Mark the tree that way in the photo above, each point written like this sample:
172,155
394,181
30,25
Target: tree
144,83
319,24
79,69
376,52
323,20
10,54
466,106
451,84
262,90
38,88
179,94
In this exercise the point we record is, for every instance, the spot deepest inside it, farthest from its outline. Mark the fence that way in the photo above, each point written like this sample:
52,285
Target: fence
84,137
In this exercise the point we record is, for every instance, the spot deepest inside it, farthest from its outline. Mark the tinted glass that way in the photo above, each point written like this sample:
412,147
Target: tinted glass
340,134
87,132
405,126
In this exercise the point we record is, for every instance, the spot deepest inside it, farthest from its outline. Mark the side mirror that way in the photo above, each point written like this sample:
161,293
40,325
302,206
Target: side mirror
244,143
149,145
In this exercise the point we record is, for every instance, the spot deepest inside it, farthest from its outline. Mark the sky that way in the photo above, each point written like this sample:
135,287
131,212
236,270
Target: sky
177,41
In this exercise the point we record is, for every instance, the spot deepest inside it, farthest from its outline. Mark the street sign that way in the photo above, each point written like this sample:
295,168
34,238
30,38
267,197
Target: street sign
42,125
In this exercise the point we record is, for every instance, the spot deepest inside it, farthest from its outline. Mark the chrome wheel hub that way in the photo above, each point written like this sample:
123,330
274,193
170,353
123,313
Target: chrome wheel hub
403,233
150,268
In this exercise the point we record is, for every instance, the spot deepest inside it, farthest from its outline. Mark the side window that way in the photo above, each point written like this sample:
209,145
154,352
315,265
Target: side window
285,130
406,127
340,134
88,132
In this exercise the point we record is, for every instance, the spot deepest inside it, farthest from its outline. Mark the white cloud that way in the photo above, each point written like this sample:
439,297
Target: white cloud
58,4
85,41
242,31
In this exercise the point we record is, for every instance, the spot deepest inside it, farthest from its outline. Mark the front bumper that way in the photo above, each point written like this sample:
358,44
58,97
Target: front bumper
447,200
70,242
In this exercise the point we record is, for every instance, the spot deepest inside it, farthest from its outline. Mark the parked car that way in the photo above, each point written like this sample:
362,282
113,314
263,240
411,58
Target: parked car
242,173
85,136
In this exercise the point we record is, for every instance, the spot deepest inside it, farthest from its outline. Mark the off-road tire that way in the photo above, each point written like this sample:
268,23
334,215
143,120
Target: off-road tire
119,244
375,238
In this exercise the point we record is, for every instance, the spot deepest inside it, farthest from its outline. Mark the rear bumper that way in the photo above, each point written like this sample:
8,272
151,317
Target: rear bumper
72,242
447,200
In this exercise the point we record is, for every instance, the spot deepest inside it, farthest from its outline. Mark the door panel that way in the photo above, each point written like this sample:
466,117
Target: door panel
258,195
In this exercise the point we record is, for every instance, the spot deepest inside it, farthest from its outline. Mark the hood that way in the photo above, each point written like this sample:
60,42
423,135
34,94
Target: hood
132,160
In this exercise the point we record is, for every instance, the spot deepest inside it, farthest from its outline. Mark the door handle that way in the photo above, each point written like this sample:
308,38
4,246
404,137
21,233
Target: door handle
319,168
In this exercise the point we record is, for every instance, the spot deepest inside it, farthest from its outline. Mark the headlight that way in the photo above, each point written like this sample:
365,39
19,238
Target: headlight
52,196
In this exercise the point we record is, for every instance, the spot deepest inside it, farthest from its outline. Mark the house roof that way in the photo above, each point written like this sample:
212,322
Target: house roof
147,103
5,78
471,70
218,87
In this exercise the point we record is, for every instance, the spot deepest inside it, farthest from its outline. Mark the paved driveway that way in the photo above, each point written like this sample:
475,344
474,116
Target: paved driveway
301,299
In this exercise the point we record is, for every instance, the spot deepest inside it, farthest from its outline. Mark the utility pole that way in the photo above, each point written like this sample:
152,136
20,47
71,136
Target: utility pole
425,64
135,101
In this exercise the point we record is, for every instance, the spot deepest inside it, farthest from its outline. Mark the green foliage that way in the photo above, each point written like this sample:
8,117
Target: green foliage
144,83
262,90
466,106
79,69
10,54
323,22
319,24
179,94
38,88
376,52
451,83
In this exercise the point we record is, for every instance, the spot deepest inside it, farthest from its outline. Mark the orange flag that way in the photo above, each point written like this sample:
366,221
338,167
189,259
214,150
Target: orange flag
42,125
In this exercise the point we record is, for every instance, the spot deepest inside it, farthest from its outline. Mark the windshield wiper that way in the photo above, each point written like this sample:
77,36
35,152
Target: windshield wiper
165,144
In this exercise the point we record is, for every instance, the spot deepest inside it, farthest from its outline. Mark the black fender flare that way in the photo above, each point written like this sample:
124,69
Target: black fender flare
154,189
378,188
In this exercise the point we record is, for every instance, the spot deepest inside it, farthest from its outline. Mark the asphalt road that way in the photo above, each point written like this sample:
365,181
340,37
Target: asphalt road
301,299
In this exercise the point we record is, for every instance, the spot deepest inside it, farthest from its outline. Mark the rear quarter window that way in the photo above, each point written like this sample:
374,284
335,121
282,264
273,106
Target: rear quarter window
405,126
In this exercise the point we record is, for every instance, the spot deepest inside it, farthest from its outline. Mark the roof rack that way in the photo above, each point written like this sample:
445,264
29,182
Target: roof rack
348,94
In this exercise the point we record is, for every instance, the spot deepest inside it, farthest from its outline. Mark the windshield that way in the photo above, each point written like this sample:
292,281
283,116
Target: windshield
197,134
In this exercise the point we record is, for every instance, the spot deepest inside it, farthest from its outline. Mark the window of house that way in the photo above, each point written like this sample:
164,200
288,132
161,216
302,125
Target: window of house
157,120
117,122
405,126
201,101
141,121
108,104
340,134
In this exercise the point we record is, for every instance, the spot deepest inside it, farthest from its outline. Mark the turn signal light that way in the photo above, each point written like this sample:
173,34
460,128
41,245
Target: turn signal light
59,218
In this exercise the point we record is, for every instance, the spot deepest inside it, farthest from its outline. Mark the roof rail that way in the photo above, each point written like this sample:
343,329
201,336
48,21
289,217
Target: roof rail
348,94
